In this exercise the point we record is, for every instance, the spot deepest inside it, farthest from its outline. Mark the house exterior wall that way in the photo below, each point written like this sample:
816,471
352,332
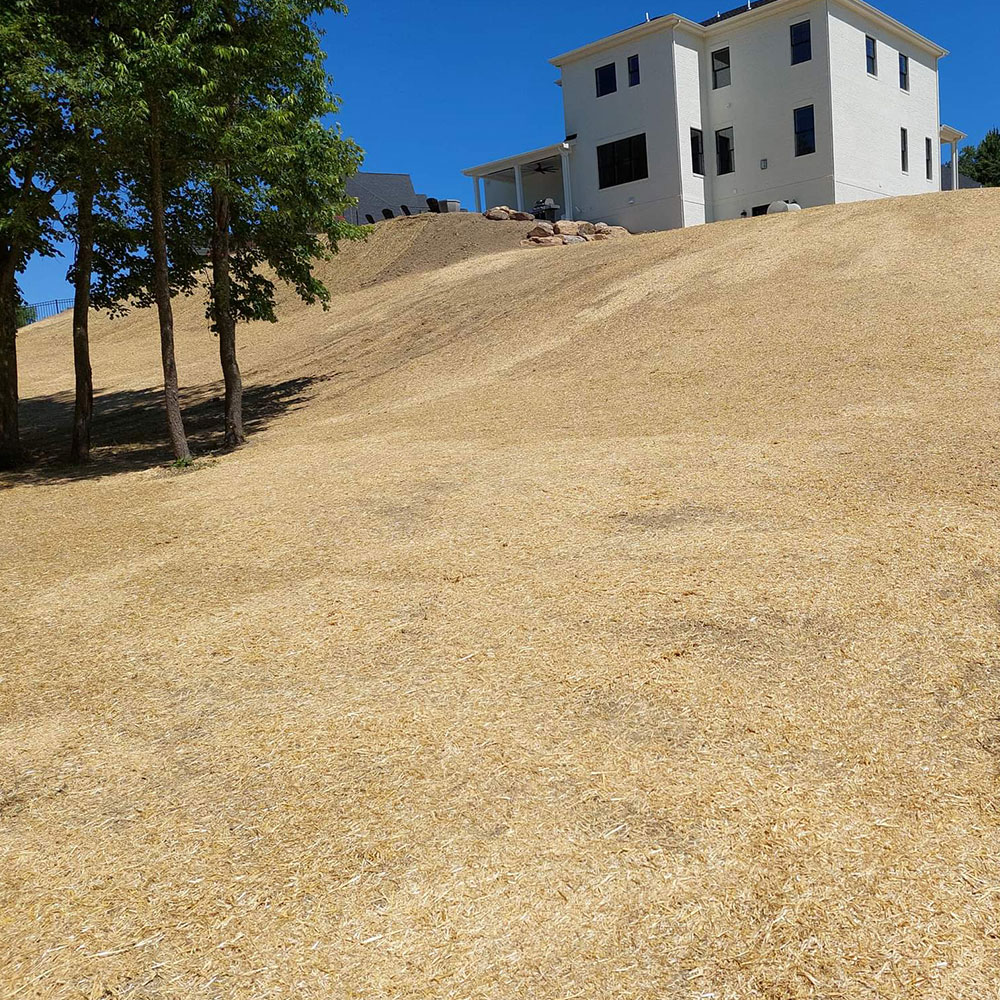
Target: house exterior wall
641,205
868,112
759,105
857,116
691,95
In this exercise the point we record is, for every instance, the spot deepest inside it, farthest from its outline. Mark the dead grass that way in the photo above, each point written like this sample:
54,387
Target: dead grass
616,621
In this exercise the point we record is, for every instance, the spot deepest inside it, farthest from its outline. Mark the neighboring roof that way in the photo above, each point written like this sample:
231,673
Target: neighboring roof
751,7
964,180
495,166
377,191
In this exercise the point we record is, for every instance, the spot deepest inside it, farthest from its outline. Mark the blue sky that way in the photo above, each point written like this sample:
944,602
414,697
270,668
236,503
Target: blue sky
430,88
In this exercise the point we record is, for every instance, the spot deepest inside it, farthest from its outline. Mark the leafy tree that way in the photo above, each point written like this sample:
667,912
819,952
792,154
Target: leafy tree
982,162
156,75
30,129
275,175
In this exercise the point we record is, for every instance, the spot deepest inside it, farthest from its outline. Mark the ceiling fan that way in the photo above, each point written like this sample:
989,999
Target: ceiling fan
541,168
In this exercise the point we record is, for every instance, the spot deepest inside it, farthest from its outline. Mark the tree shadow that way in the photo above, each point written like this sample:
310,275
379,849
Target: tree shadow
130,430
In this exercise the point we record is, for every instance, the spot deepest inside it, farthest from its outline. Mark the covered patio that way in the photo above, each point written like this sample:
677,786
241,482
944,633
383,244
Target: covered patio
526,180
952,137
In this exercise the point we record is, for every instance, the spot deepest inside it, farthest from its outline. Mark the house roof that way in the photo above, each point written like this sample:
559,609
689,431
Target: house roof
751,7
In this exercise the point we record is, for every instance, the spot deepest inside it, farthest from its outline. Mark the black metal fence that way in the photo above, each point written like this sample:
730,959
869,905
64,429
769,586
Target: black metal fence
32,313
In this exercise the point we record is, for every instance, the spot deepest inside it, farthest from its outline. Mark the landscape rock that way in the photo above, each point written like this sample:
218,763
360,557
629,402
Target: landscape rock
618,231
602,236
601,227
547,241
522,216
566,228
543,229
574,239
497,215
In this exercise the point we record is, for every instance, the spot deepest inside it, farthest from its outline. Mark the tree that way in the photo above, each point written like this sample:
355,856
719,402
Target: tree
77,54
156,74
275,174
982,162
30,133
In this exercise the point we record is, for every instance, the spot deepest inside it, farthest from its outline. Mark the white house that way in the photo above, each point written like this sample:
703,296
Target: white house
675,123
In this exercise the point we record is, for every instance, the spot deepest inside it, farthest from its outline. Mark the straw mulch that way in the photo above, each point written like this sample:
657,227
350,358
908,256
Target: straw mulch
619,623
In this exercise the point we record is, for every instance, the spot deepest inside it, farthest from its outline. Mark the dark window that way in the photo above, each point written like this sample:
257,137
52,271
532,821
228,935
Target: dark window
622,161
721,75
607,79
760,210
802,48
406,209
929,156
904,72
387,213
371,219
725,152
871,49
805,131
697,151
904,149
633,71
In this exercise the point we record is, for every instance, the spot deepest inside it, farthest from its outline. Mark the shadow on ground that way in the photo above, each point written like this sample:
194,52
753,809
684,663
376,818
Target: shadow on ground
130,431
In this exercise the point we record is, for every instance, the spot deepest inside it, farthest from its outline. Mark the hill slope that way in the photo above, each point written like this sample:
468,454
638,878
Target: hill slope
617,620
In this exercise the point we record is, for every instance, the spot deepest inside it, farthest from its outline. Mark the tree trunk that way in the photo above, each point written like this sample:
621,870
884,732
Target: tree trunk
225,322
161,292
10,440
84,409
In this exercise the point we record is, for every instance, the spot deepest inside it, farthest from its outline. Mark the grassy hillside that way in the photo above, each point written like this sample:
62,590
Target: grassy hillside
617,620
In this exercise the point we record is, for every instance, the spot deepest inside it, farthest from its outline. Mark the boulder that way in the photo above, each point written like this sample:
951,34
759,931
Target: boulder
574,239
618,231
542,229
547,241
497,215
522,216
567,228
601,227
602,236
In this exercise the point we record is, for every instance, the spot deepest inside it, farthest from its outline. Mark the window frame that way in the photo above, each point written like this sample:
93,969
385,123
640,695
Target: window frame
698,152
614,79
904,72
718,70
719,133
871,58
904,149
929,157
637,154
807,43
800,132
634,76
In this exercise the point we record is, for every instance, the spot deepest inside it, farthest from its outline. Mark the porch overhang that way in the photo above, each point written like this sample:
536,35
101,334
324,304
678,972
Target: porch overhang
518,160
515,165
952,137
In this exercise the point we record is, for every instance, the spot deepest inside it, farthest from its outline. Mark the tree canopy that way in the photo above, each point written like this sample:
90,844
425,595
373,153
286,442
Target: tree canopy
982,162
194,145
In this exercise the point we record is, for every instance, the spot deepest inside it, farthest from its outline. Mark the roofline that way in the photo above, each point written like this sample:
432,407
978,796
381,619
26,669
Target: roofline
720,27
627,35
897,26
494,166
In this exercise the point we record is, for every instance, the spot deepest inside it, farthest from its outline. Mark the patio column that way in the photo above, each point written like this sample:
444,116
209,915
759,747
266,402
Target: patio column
567,186
479,198
519,187
954,165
